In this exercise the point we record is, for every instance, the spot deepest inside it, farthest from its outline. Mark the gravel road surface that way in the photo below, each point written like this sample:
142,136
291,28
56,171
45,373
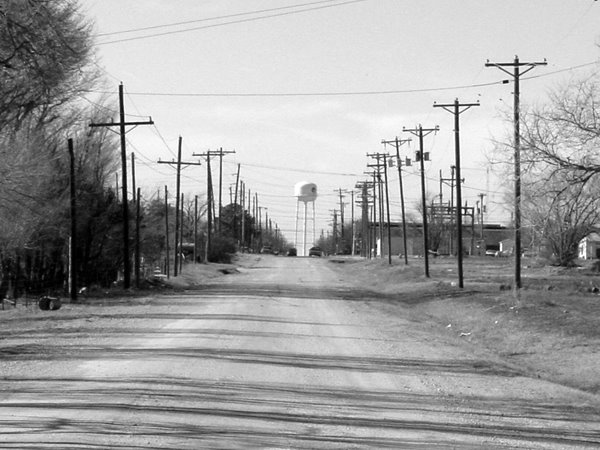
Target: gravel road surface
279,355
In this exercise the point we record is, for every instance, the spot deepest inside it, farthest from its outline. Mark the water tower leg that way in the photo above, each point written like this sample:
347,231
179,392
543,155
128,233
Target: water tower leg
304,239
314,225
296,235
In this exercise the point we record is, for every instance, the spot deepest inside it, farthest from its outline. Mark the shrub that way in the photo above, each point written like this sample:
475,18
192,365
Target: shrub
221,250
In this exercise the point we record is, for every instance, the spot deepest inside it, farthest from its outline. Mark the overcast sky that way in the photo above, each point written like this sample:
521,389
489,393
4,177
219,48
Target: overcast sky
302,90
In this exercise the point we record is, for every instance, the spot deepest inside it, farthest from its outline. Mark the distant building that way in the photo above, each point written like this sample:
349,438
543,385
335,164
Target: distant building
589,246
495,237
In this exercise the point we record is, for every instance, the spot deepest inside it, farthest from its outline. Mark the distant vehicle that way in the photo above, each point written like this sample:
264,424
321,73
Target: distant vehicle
267,250
315,251
490,252
292,252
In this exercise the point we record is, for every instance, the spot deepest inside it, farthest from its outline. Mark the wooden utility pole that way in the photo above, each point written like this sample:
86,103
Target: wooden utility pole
481,211
383,201
73,263
516,75
136,250
181,236
457,109
210,195
138,220
122,124
341,196
243,219
451,208
235,203
178,165
352,230
177,193
221,153
210,206
168,262
397,143
195,228
421,132
133,187
365,231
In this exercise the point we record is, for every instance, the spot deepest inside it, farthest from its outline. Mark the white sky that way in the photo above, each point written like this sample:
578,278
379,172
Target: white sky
347,47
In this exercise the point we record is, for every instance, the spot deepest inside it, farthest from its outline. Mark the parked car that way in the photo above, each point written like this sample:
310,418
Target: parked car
267,250
315,251
292,252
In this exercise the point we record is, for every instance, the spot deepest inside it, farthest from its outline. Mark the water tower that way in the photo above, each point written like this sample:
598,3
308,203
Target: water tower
306,193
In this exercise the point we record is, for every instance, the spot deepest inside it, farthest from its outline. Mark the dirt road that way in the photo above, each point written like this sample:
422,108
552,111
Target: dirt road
280,355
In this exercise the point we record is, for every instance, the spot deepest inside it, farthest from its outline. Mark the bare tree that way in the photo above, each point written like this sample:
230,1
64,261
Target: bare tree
562,213
45,50
561,167
564,134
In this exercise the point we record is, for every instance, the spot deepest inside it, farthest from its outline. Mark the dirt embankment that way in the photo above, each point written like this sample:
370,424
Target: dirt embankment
552,330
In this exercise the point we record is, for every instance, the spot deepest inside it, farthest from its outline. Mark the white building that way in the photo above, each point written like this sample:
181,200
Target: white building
589,247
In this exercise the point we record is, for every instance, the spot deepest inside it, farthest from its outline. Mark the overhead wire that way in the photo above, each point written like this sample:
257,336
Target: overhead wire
347,93
232,22
207,19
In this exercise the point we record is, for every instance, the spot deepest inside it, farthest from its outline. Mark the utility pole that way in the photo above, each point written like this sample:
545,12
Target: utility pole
178,166
235,202
335,227
341,215
243,220
481,211
133,187
516,74
422,156
387,202
457,109
260,223
209,201
378,166
136,251
451,209
195,228
168,262
73,263
221,153
122,124
138,219
374,215
364,204
181,236
353,233
397,143
342,205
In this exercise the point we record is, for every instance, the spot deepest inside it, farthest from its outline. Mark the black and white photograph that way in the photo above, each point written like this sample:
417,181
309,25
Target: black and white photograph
299,224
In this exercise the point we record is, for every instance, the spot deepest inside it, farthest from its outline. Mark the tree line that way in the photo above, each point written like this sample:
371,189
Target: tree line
47,67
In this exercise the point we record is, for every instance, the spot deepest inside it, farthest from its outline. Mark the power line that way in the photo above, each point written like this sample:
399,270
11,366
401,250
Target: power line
344,93
307,94
299,170
232,22
208,19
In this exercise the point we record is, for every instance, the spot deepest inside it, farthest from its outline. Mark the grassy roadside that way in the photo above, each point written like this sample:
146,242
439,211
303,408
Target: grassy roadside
553,330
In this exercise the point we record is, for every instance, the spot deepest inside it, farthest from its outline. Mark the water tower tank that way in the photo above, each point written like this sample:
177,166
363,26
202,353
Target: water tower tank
305,192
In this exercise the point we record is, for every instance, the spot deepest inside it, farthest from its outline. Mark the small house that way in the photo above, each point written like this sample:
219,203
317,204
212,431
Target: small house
589,246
